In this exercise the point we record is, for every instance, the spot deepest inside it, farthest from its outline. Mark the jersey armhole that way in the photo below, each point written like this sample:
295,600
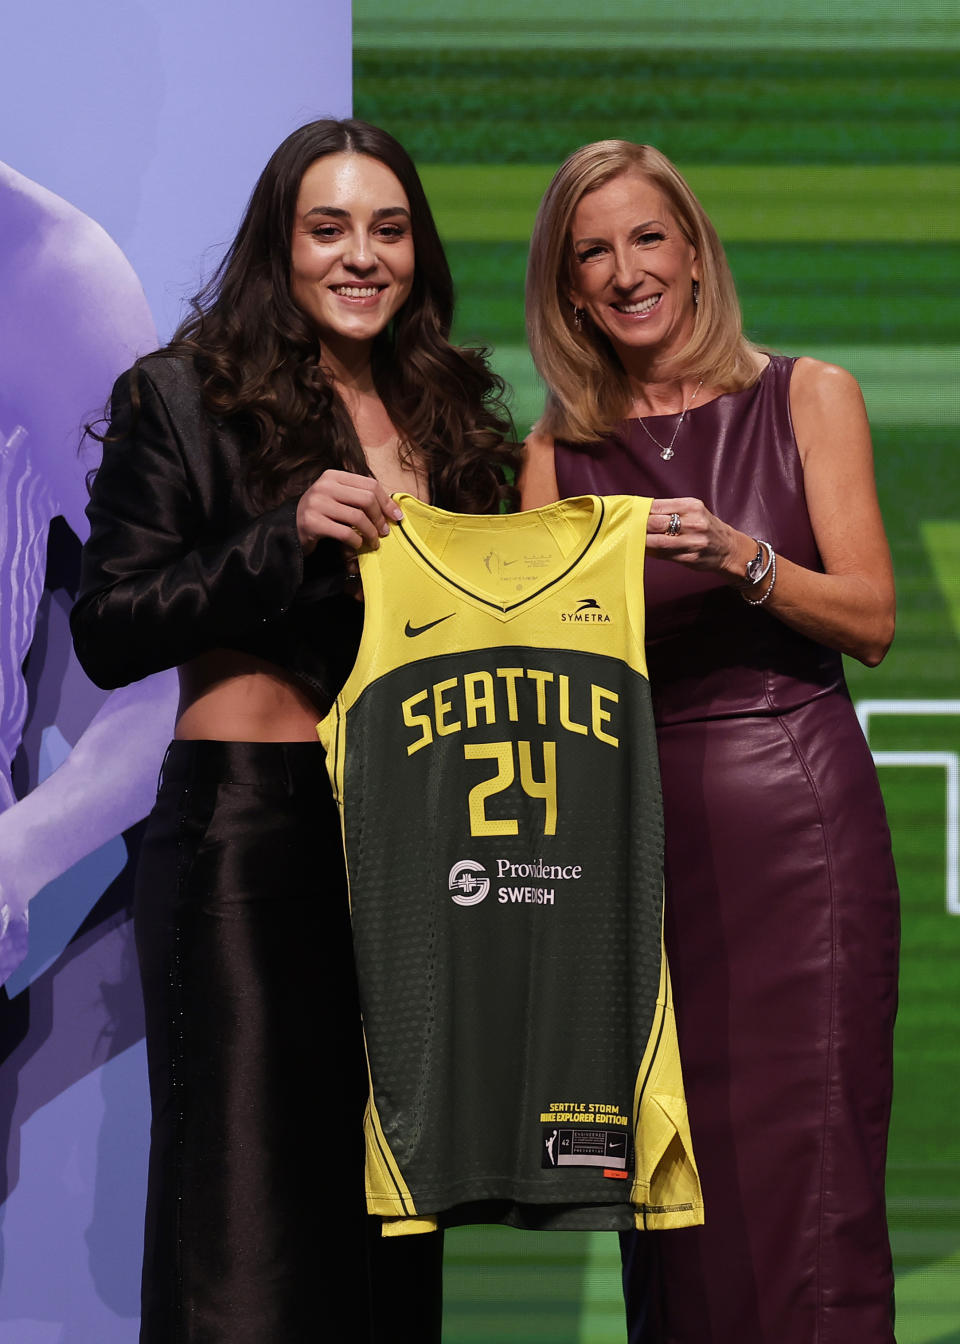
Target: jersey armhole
634,565
369,563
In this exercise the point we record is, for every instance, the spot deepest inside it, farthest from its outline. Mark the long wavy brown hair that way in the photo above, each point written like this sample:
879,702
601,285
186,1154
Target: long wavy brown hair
260,358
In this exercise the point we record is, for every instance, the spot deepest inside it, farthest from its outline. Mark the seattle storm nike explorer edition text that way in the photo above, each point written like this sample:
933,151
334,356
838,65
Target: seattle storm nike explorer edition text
494,761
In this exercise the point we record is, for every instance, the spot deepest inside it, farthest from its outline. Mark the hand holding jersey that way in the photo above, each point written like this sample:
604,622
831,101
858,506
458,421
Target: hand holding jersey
355,510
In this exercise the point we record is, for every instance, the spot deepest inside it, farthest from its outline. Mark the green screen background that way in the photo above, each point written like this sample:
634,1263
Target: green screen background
823,140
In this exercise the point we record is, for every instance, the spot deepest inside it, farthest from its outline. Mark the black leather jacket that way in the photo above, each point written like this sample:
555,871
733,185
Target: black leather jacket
177,563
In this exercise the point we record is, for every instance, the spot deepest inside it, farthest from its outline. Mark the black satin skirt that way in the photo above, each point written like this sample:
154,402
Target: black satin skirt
256,1228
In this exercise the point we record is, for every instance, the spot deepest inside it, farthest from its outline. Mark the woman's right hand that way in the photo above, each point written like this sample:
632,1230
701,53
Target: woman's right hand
354,510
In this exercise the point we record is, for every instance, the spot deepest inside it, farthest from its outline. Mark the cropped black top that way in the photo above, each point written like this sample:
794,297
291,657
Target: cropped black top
177,562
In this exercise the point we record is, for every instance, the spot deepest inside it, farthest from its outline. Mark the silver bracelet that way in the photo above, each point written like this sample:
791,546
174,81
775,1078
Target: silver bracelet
755,573
771,568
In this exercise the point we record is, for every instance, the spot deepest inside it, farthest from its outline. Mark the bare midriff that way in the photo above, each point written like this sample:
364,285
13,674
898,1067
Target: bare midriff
227,696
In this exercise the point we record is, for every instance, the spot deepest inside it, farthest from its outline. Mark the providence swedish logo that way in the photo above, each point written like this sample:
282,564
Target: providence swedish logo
468,882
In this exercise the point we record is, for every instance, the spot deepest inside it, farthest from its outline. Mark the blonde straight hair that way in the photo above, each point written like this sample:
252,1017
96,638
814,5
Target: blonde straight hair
588,391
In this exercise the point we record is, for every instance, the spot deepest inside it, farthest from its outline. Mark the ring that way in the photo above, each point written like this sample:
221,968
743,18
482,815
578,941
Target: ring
673,527
352,577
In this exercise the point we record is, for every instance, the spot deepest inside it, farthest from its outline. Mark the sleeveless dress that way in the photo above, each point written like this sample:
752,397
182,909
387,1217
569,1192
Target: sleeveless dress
781,917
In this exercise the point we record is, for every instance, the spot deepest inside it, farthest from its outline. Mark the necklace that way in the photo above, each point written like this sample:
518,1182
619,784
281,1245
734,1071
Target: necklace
666,449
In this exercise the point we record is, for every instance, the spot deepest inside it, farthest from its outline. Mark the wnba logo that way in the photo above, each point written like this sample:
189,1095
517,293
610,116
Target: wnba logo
468,882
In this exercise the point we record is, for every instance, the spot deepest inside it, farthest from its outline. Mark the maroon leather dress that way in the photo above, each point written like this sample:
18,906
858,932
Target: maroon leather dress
782,922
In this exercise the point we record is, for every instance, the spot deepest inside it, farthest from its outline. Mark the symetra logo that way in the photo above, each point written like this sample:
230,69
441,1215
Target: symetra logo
468,882
588,612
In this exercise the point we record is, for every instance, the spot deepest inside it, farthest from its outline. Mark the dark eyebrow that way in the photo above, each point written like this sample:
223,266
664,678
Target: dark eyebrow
337,213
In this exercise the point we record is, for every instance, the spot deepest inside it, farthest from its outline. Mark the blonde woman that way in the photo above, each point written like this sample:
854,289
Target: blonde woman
767,561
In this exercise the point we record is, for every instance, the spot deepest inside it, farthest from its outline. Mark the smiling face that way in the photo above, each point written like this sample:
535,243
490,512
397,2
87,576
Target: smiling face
352,258
633,269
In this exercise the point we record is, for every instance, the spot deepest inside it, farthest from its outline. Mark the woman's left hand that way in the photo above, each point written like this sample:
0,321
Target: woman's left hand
849,605
686,531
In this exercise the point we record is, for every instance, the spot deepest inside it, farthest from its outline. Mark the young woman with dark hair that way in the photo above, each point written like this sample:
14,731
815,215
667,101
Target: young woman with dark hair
244,466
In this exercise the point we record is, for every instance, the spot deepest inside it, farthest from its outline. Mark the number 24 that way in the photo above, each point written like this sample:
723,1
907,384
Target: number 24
503,754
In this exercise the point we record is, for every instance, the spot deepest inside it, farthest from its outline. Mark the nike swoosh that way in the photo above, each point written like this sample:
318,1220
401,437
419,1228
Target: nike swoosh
414,630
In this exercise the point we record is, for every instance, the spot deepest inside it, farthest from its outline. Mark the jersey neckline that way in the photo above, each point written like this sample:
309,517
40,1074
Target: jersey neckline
495,522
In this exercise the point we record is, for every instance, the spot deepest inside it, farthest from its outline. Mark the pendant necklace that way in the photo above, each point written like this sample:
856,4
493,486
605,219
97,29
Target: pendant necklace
666,449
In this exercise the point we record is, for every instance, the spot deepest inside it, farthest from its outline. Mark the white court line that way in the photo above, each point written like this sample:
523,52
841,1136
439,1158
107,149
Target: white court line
948,761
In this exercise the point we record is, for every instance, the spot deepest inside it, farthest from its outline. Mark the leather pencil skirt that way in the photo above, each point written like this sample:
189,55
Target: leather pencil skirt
782,929
257,1076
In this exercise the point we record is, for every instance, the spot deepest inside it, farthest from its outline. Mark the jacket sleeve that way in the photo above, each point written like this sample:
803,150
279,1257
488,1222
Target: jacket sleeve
152,593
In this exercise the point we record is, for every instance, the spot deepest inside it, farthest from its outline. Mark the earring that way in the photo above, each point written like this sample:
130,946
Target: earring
578,315
696,293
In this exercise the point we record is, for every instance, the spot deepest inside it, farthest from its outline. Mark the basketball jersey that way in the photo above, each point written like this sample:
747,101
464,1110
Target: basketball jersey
493,757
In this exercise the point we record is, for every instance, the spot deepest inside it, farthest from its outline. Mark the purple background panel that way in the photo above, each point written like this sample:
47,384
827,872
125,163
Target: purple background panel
156,118
133,135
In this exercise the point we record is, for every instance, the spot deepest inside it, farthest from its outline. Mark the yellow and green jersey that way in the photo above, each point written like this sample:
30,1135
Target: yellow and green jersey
494,760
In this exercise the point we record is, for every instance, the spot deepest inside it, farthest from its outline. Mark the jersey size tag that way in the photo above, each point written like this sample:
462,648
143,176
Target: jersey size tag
568,1146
